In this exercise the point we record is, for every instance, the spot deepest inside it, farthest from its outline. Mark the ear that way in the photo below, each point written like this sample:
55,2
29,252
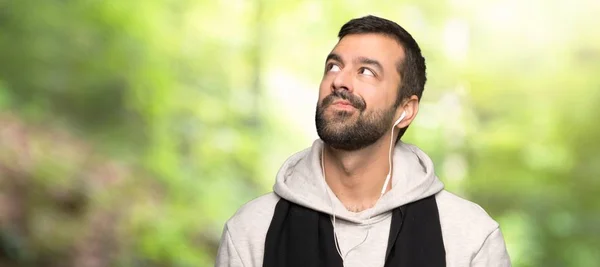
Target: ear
411,107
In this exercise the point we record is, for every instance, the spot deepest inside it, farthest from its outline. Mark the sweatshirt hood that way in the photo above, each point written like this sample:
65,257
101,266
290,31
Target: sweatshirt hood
300,180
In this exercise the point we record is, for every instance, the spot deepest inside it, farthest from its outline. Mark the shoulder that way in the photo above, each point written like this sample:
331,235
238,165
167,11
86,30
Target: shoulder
248,227
465,225
243,238
254,214
455,209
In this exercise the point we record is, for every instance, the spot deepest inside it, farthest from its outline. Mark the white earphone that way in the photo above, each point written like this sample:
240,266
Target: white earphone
400,119
389,175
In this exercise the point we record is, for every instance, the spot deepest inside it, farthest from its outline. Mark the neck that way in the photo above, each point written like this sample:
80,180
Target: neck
357,177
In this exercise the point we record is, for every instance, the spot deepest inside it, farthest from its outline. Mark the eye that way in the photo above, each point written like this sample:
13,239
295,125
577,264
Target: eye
368,72
333,67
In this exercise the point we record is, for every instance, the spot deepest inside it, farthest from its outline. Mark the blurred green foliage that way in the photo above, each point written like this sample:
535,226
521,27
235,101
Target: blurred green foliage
131,130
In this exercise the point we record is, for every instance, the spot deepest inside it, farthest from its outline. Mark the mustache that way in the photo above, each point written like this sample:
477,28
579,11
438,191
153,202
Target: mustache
354,100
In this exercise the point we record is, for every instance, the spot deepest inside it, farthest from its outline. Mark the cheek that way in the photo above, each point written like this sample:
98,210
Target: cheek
374,98
368,92
381,94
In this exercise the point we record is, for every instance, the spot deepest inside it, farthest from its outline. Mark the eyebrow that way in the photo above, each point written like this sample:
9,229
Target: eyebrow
361,60
372,62
334,56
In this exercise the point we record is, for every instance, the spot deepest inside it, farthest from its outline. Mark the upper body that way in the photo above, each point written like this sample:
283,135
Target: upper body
471,237
356,175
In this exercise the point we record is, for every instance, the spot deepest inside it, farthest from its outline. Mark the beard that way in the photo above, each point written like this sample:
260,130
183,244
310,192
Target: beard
341,131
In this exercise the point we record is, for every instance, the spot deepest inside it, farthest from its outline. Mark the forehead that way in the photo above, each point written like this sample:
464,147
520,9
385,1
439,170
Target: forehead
375,46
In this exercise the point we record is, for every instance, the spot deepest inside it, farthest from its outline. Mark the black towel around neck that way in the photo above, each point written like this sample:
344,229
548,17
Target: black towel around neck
302,237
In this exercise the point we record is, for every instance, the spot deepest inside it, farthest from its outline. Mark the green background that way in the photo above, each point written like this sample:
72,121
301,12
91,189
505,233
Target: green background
130,131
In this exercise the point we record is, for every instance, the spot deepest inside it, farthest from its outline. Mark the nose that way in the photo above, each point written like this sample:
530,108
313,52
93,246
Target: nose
342,80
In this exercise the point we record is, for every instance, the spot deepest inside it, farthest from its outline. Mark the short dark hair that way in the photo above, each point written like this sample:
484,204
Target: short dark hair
412,69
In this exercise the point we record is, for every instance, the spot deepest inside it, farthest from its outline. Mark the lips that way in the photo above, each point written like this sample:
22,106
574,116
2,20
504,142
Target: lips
342,103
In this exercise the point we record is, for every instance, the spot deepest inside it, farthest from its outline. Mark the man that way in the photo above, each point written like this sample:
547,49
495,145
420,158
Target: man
359,196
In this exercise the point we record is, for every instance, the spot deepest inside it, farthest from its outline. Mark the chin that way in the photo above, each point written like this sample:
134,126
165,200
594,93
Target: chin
340,116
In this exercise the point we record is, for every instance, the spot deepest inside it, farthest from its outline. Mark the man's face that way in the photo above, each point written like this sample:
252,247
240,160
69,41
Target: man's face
358,91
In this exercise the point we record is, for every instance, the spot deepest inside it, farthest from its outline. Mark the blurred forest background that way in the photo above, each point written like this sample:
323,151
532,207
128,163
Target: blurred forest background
130,131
